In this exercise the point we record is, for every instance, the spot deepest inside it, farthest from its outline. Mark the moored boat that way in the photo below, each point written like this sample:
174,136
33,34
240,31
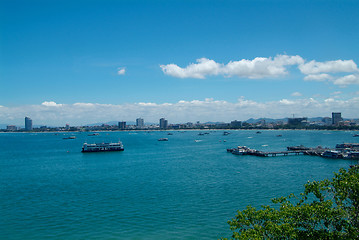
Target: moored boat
332,154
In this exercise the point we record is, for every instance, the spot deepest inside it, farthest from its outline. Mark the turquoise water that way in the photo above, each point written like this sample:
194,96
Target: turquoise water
180,189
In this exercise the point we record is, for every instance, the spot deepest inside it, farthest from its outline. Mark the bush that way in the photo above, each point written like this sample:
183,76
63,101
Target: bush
325,210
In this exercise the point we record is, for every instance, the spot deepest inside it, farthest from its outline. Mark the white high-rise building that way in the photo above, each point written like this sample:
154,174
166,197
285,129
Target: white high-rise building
140,123
28,124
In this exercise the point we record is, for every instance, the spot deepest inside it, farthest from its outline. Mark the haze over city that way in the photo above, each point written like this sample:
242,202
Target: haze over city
81,62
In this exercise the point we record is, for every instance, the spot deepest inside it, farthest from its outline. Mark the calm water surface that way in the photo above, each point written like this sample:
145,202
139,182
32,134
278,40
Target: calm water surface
180,189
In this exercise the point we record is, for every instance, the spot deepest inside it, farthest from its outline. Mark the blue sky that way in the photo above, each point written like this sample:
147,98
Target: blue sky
79,62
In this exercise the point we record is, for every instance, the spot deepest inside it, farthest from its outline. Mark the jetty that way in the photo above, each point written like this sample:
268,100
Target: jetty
350,152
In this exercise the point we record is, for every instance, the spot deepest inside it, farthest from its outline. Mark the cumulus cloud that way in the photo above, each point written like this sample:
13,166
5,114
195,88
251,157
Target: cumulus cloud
202,68
121,71
208,109
257,68
348,80
263,67
51,104
314,67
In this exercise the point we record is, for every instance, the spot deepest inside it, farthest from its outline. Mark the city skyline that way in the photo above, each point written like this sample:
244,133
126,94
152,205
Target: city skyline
80,62
335,120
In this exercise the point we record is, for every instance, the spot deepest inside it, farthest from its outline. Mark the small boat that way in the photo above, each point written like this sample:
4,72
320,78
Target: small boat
226,133
356,135
297,148
170,134
163,139
93,134
71,137
279,135
258,132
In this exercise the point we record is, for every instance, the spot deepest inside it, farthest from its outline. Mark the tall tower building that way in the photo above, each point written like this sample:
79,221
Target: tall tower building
140,123
163,123
28,124
336,118
122,125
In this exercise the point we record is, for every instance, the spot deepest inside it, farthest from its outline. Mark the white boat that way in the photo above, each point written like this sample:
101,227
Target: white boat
102,147
71,137
332,154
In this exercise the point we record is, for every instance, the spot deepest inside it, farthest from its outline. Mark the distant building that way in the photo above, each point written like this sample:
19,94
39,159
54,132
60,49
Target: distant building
67,127
28,124
163,123
140,123
327,120
336,118
297,121
236,124
122,125
11,128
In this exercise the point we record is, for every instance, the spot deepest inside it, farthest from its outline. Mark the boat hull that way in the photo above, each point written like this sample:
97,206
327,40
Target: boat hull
101,150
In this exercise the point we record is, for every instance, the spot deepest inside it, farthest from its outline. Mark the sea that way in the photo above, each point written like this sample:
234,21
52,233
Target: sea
185,188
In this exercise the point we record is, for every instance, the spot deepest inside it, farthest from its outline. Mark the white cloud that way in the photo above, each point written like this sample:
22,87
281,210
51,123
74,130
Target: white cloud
314,67
318,77
296,94
255,69
202,68
347,80
182,111
84,104
262,67
51,104
121,71
286,102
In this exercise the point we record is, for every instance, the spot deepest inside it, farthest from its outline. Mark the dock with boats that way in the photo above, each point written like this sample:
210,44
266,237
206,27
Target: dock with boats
342,151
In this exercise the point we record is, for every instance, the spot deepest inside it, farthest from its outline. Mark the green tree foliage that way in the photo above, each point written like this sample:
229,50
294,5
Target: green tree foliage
325,210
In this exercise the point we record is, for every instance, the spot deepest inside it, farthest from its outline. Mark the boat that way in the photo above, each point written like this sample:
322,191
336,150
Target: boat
356,135
93,134
332,154
226,133
163,139
102,147
71,137
297,148
347,146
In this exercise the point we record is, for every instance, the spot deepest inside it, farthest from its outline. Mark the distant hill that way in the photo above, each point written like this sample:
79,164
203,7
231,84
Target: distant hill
111,123
271,120
267,120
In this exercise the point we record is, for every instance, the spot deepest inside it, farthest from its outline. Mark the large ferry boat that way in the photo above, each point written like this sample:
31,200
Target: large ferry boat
102,147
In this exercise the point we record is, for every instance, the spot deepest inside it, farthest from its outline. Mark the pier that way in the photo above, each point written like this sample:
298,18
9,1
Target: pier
352,153
241,150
